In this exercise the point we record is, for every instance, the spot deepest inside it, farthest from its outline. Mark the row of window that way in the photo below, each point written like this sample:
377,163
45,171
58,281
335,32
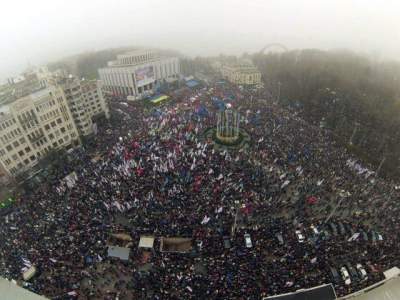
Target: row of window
10,135
33,157
7,123
50,115
45,106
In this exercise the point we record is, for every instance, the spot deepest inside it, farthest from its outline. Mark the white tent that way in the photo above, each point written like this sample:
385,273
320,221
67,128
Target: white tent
119,252
28,274
146,241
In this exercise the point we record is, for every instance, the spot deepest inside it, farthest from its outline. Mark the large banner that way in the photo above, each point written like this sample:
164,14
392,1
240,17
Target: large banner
144,75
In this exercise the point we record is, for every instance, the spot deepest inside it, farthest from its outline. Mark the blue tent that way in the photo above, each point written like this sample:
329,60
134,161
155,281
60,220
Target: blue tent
218,103
192,83
202,111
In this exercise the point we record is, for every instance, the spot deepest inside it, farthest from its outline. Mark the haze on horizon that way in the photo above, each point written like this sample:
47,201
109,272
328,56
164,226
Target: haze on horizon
37,32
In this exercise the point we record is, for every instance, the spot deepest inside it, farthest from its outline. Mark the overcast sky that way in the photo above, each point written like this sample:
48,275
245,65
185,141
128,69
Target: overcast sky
39,31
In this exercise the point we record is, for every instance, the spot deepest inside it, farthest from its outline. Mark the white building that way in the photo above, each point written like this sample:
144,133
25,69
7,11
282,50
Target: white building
137,74
33,125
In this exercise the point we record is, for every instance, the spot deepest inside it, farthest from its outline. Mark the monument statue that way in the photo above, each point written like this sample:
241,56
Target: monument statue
228,126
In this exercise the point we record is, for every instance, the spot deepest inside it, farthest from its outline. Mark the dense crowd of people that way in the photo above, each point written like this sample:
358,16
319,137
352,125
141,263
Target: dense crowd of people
154,168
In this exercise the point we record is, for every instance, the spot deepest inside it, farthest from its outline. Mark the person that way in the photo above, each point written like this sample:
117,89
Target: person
157,175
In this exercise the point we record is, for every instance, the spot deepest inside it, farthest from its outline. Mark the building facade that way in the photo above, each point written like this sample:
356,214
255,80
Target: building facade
94,99
137,74
85,100
32,126
241,74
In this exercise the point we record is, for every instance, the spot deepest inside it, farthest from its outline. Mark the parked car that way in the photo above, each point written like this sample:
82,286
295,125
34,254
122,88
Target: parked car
364,235
333,228
342,230
247,240
361,272
280,238
352,271
334,275
227,242
300,236
350,229
345,275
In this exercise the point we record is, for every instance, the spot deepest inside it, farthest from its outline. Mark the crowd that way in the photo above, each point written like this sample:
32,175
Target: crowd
155,169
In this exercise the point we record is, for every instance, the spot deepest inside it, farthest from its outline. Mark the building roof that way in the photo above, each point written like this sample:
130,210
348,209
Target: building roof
11,291
192,83
322,292
159,98
118,252
146,241
385,290
5,109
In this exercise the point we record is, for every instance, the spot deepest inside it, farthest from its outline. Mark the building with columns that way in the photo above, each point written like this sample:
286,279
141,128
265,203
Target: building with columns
242,73
138,73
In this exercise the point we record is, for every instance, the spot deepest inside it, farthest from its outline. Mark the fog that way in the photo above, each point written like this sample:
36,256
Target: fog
36,32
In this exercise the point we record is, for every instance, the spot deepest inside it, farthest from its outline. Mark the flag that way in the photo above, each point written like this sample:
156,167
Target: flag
354,237
205,220
314,260
285,184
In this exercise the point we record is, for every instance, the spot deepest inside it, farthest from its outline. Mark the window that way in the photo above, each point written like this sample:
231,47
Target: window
16,144
8,161
2,152
51,136
26,161
14,156
62,129
32,158
27,149
53,124
47,127
22,140
9,148
55,144
59,121
21,153
60,141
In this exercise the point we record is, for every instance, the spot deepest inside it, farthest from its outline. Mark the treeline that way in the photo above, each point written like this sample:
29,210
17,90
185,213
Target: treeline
356,97
86,64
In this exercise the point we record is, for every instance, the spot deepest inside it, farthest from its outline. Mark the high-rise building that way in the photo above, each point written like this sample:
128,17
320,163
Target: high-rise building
94,100
32,126
85,100
138,73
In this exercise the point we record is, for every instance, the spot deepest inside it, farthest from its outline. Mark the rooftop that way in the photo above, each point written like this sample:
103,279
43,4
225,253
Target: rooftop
4,109
11,291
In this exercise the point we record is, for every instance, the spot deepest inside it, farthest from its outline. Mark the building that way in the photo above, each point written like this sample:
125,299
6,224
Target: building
11,291
85,100
137,74
95,102
31,80
241,73
32,126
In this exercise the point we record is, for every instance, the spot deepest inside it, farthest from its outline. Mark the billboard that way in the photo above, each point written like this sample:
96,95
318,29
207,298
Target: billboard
144,75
